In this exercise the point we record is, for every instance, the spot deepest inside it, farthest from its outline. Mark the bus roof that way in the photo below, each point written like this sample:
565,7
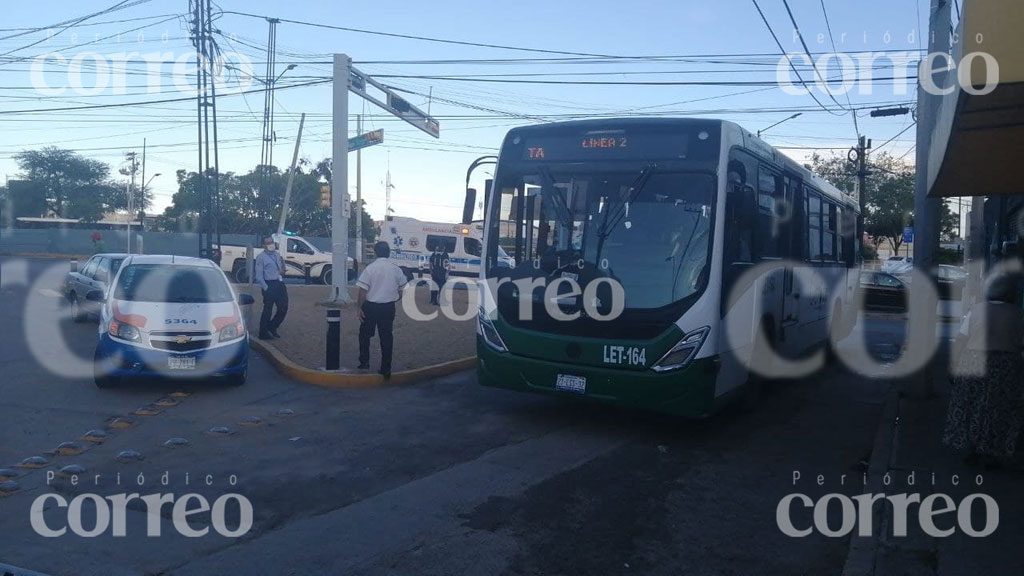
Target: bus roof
732,134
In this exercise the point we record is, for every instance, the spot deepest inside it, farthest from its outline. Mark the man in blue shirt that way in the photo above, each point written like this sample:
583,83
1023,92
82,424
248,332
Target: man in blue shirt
269,274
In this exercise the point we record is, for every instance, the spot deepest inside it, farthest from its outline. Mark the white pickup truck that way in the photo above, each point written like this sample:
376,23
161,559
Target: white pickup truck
298,254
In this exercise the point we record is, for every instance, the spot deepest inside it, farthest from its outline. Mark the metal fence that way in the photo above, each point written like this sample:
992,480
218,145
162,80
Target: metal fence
79,242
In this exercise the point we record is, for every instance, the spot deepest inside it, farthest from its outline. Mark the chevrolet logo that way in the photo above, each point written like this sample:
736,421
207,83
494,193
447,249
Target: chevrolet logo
183,339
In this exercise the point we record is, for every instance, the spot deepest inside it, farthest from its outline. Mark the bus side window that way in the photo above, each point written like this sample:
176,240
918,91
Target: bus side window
768,227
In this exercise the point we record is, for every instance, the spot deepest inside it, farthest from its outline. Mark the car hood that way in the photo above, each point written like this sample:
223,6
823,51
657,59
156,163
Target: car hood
174,316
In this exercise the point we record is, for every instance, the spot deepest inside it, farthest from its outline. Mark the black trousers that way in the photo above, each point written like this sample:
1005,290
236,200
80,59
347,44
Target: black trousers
435,294
378,318
275,296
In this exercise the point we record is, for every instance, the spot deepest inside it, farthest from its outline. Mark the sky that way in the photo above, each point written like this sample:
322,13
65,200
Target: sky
724,41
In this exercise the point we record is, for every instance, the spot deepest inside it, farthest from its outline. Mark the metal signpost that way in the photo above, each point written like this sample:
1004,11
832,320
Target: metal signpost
348,79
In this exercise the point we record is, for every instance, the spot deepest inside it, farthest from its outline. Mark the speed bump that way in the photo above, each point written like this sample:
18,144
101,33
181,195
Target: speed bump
69,449
176,442
146,411
33,462
166,402
6,474
95,436
285,412
71,470
130,456
252,421
121,423
220,431
9,487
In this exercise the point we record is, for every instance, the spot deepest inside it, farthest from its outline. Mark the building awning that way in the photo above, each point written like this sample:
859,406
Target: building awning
978,140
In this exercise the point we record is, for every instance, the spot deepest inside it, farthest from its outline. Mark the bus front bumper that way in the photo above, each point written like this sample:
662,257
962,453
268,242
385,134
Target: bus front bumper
689,392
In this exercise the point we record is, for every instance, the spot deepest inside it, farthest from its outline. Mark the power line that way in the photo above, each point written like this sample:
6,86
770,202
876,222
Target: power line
832,39
622,83
148,102
788,59
123,4
425,38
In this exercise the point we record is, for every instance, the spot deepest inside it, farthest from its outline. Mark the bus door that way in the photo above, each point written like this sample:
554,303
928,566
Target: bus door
792,211
770,246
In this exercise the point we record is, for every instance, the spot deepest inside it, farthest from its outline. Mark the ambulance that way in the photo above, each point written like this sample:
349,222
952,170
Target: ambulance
412,242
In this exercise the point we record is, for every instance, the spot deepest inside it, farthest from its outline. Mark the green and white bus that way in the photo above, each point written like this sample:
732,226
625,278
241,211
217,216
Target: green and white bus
637,242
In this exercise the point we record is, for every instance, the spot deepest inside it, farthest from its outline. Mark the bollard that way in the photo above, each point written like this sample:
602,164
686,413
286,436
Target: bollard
333,339
74,265
305,269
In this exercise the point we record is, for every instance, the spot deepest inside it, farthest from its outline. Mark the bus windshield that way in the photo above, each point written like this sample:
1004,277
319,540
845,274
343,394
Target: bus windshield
647,229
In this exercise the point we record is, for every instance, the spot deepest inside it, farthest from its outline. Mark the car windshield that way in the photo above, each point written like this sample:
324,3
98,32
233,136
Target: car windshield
169,283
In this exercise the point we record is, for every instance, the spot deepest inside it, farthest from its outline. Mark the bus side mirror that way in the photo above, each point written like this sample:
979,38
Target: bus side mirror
95,296
469,206
246,300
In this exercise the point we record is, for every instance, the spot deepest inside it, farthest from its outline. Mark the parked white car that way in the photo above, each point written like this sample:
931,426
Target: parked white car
298,253
898,265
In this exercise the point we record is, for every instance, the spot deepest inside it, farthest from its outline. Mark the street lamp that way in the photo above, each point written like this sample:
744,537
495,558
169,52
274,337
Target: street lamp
759,132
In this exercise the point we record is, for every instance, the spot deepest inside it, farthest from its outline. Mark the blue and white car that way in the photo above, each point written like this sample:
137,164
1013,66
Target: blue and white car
170,317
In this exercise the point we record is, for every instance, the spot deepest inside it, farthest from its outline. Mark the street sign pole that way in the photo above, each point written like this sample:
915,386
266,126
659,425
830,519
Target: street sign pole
339,179
359,193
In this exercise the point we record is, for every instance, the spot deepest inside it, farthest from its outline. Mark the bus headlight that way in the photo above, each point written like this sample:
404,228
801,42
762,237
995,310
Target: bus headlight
485,328
682,353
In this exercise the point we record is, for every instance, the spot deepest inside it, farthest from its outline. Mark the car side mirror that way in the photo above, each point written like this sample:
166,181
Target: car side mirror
95,296
246,300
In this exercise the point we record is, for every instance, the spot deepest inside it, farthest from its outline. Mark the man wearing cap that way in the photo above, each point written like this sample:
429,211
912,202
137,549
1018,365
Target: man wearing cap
380,286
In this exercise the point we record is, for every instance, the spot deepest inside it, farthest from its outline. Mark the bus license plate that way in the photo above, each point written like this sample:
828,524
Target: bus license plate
567,383
181,362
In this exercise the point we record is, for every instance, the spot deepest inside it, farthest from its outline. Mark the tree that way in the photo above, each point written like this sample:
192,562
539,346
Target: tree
70,185
889,193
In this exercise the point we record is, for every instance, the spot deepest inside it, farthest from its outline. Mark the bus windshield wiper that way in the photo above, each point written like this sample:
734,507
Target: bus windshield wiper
548,189
634,191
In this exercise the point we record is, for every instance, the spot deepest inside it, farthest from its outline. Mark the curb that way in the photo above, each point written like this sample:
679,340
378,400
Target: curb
861,558
356,380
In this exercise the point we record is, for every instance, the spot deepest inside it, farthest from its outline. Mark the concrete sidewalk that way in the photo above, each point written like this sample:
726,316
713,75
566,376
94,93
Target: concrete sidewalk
915,430
417,343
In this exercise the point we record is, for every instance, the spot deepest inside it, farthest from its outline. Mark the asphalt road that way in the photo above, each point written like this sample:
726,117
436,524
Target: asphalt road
443,477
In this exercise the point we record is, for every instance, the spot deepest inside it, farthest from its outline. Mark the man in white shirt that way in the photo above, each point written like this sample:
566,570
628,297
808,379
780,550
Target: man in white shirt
268,272
380,286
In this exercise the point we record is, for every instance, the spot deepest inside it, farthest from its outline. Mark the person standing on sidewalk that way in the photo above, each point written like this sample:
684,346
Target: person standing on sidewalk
380,286
269,274
98,247
986,402
440,263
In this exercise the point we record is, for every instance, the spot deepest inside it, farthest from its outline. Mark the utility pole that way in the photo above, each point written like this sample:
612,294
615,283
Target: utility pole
132,158
927,211
291,178
359,192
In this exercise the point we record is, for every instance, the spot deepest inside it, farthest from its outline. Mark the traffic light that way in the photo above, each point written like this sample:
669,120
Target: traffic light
325,195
